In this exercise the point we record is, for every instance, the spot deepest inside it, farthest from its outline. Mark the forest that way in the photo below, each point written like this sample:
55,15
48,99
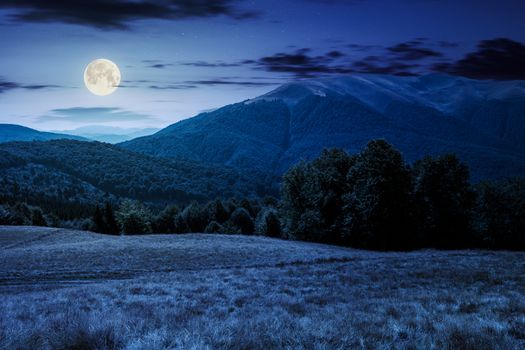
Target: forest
372,200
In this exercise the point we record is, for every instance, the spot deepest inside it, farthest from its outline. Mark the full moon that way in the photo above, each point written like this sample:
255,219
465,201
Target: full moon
102,77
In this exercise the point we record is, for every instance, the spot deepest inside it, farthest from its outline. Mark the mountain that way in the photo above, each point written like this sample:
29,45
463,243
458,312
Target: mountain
68,171
12,132
109,134
481,121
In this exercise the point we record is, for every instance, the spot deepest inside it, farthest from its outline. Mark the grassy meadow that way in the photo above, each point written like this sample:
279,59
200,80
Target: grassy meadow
62,289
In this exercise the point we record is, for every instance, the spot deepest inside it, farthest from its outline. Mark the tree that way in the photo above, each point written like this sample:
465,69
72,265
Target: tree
499,217
134,218
298,199
217,212
378,203
20,214
112,226
165,221
214,227
98,220
444,201
195,217
268,223
37,217
312,197
242,219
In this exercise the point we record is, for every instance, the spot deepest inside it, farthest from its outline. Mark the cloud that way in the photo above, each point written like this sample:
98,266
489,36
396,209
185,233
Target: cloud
499,59
361,47
378,65
301,63
118,14
412,51
10,85
172,87
230,82
160,65
217,64
7,85
448,44
92,115
193,84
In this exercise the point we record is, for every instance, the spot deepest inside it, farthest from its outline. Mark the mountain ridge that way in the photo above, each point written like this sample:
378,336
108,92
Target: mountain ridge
14,132
427,115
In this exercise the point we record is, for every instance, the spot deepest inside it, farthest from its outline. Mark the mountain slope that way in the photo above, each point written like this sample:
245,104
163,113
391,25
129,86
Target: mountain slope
481,121
12,132
67,170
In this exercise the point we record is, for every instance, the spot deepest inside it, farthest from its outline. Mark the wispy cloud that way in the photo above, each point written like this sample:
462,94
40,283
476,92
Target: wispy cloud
92,115
217,64
231,82
6,85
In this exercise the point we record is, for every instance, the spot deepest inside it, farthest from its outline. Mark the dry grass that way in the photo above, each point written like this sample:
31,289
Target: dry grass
75,290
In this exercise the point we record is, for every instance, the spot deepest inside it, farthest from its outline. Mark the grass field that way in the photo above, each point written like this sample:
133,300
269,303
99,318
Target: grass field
63,289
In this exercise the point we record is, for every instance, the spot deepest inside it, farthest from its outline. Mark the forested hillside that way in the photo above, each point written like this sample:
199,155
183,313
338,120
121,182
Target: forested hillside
69,171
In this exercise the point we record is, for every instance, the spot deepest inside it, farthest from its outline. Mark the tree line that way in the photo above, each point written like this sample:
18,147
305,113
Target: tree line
372,200
375,200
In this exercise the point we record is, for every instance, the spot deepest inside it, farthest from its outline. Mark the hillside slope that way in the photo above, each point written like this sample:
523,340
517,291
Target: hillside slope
77,171
481,121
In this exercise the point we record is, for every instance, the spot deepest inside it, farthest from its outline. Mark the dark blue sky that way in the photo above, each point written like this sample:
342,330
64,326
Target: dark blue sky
180,57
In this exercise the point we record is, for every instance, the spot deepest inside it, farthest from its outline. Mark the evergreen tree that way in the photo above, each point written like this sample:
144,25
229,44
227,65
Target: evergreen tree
98,220
217,212
268,223
214,227
37,217
112,226
165,221
195,217
241,218
134,218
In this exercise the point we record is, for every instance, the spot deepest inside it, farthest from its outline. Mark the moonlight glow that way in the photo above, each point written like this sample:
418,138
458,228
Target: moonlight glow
102,77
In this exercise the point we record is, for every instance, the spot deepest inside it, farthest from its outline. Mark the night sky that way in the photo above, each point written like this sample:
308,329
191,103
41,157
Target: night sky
182,57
